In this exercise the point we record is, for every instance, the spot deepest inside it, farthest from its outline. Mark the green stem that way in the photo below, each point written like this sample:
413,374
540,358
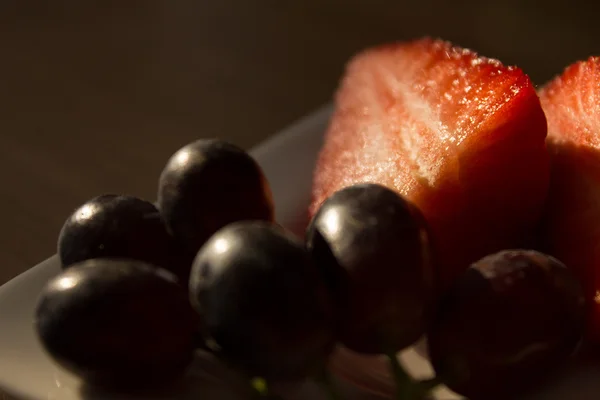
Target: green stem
427,385
408,388
404,383
262,389
326,383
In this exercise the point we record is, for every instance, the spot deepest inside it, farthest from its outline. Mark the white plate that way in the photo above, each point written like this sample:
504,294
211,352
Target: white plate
25,370
288,159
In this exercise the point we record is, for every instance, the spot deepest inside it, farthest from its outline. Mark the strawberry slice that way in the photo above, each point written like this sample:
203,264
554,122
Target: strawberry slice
572,105
460,135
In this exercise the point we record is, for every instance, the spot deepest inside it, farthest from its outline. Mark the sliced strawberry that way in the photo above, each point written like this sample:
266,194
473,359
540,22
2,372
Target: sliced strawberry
572,105
460,135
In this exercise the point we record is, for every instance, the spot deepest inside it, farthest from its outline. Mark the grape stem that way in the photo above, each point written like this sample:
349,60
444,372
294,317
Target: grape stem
403,381
326,382
408,388
427,385
262,390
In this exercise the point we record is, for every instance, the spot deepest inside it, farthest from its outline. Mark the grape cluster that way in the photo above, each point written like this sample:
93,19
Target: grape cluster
145,286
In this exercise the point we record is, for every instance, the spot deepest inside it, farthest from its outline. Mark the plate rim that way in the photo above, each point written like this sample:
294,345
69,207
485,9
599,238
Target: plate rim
262,149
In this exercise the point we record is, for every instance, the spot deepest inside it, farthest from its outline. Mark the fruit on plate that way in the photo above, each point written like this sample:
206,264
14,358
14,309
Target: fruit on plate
373,247
507,322
117,323
263,302
120,226
208,184
572,224
459,135
435,157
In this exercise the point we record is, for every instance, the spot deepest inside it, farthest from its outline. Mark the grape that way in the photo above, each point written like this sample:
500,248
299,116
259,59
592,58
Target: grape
372,246
209,184
121,227
263,302
509,321
117,323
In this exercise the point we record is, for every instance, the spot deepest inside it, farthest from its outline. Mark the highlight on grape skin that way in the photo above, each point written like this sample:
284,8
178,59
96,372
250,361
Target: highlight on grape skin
396,250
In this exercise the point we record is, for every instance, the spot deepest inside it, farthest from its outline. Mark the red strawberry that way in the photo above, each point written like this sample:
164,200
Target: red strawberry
460,135
572,105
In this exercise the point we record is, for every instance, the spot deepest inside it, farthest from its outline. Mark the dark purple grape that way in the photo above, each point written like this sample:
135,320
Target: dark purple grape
263,302
511,319
117,323
121,227
209,184
372,246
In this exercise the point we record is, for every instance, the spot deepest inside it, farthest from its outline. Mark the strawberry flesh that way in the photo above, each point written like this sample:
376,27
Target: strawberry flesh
460,135
572,223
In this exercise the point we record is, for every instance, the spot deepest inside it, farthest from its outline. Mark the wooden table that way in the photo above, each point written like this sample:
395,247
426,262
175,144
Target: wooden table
94,99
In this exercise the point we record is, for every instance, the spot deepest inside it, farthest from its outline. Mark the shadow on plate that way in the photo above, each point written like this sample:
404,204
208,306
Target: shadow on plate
207,378
210,379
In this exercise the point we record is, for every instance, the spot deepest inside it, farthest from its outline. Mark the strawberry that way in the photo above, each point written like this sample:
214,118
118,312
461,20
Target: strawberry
460,135
572,224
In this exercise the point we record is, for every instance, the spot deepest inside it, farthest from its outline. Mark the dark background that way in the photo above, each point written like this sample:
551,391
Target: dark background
95,96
